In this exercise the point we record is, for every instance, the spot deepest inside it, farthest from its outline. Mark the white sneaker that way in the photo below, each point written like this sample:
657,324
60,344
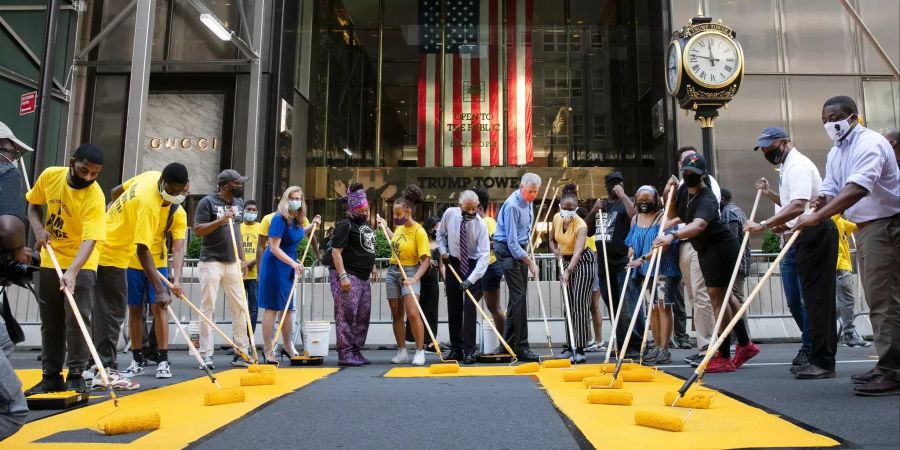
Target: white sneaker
401,357
163,370
134,370
208,362
419,359
118,382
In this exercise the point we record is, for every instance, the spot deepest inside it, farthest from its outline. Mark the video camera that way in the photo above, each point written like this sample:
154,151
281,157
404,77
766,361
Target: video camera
12,271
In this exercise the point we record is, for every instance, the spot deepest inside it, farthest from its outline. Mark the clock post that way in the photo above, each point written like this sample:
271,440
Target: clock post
704,69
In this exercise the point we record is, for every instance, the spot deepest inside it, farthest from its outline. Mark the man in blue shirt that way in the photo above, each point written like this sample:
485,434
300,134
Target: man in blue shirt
511,239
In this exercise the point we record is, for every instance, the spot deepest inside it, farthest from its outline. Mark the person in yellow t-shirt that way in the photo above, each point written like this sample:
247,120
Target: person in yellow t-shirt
172,223
846,286
490,282
131,223
409,242
251,235
73,224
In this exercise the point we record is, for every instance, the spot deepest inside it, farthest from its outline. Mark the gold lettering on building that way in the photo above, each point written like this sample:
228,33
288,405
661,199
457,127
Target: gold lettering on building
184,143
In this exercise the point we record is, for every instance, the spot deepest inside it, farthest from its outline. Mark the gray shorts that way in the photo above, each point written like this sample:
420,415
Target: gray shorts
393,282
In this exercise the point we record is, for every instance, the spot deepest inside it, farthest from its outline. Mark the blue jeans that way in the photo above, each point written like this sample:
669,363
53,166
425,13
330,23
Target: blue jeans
790,281
252,286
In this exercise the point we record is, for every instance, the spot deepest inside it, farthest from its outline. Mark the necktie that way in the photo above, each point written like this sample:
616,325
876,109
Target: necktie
464,248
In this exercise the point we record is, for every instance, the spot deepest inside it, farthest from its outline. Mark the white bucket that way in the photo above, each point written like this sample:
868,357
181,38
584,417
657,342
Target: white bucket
316,337
489,340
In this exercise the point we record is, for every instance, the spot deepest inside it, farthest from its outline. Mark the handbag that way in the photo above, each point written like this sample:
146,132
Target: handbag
13,328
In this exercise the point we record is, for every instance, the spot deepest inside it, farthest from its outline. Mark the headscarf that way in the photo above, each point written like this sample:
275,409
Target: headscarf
356,200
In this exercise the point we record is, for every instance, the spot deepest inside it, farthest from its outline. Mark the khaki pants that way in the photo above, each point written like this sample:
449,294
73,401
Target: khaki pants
703,316
879,257
212,275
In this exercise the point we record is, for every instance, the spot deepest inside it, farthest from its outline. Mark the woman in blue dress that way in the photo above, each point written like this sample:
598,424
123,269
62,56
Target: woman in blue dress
279,267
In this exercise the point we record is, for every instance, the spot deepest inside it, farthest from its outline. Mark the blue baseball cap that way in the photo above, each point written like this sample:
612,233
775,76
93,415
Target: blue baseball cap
694,163
769,136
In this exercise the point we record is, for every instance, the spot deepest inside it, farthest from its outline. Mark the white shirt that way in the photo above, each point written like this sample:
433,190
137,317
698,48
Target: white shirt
479,246
798,179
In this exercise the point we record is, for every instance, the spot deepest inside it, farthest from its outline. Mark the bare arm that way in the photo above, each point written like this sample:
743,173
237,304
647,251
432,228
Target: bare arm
849,195
205,229
789,212
177,263
116,192
35,219
580,239
146,259
276,250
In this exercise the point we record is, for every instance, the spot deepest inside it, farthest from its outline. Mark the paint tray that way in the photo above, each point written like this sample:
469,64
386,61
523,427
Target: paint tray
306,360
57,400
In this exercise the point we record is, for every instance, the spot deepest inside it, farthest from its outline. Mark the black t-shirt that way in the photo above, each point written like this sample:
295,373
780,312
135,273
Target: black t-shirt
358,244
702,205
617,224
217,246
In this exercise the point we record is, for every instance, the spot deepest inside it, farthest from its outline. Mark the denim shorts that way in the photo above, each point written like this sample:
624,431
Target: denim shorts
491,279
394,285
138,285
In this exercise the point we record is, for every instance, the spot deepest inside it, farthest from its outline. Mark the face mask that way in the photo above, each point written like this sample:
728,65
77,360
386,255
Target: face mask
237,191
294,205
775,156
838,130
76,182
692,179
567,215
646,207
250,217
399,221
468,215
529,196
359,219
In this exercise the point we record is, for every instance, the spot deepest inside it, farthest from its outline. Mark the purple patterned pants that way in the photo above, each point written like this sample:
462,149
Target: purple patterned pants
352,310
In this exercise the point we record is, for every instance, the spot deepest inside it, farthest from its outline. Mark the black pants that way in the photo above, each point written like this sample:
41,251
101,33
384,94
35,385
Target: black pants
108,312
461,313
59,329
617,282
817,251
516,330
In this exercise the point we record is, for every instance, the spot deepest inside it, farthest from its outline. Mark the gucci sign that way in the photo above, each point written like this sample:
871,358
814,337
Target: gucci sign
208,144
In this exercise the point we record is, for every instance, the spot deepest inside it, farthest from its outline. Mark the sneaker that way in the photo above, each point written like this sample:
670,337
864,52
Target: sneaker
694,360
48,383
595,346
684,344
116,380
89,374
566,352
650,355
853,339
75,382
135,369
237,361
419,359
800,361
663,357
743,353
718,364
402,356
578,357
163,370
208,362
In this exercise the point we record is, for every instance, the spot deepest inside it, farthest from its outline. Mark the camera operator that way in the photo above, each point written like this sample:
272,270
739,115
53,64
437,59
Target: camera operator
13,254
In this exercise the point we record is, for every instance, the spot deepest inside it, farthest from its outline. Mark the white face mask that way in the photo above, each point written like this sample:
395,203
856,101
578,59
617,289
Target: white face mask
173,199
837,130
294,205
566,215
249,217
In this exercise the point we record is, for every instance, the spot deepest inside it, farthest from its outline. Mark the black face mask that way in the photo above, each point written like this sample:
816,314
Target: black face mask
775,156
359,219
693,179
76,182
646,207
237,191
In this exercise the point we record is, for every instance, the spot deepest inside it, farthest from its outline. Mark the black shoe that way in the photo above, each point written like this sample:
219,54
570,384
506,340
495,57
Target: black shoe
863,378
880,386
527,356
813,372
469,358
500,350
684,344
454,355
801,359
633,355
48,383
430,348
694,360
75,382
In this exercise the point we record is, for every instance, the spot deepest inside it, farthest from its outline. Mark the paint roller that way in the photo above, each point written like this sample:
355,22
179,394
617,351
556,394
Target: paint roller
243,303
284,313
695,400
556,363
120,424
674,423
523,368
734,272
639,374
215,327
446,365
603,381
263,378
531,240
218,396
608,397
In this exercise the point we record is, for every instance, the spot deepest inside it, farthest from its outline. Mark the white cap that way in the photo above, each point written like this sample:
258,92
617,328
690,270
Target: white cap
6,133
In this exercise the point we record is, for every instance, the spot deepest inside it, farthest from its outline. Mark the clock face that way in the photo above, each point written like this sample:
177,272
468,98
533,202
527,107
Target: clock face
713,60
673,67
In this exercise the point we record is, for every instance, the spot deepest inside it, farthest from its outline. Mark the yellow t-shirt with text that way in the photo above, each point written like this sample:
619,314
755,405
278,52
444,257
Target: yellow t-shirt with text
158,249
73,216
565,240
491,227
132,219
410,243
844,228
249,239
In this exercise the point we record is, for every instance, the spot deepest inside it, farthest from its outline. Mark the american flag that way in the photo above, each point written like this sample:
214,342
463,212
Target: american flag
473,100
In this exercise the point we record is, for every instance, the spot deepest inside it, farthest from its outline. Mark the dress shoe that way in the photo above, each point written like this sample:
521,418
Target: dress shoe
865,377
500,350
469,358
880,386
454,355
813,372
527,356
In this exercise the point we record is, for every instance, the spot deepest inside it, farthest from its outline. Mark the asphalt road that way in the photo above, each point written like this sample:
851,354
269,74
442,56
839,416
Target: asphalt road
358,408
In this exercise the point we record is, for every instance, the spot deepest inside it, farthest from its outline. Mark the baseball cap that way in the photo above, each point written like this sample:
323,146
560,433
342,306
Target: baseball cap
769,136
229,175
6,133
694,163
614,176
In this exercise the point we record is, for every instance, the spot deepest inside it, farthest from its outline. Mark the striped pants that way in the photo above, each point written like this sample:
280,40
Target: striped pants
581,281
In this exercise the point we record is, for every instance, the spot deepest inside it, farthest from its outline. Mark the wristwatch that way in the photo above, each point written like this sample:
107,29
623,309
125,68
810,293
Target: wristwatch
674,235
764,224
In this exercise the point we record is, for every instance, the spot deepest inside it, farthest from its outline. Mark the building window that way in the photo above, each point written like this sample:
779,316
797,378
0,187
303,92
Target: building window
598,82
599,127
557,82
555,40
596,39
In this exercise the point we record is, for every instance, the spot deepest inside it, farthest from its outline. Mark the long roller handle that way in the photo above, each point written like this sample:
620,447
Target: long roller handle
565,290
191,349
244,305
484,315
609,302
615,318
284,313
